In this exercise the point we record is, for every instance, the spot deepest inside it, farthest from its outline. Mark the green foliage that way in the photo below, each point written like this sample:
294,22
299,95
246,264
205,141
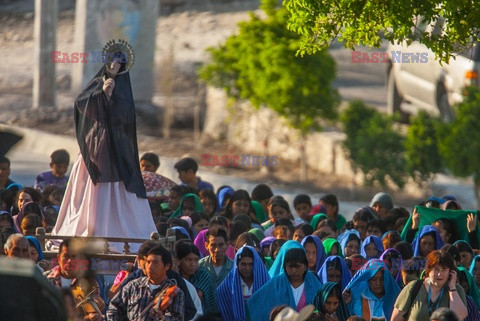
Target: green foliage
373,145
461,147
259,64
364,22
421,147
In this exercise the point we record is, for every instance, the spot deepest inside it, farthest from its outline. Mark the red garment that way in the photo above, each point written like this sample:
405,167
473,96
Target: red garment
157,186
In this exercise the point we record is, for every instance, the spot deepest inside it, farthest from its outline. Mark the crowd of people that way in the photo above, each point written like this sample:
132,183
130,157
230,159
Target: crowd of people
239,255
243,255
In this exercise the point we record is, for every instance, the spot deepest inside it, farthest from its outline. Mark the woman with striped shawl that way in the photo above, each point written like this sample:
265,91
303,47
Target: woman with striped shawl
248,275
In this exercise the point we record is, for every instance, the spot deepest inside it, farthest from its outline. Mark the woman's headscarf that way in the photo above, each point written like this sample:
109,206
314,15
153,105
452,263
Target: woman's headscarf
198,206
463,246
359,286
424,231
346,236
323,294
230,299
323,272
321,255
9,218
472,265
397,263
317,218
221,195
328,244
266,242
378,245
277,266
182,230
258,233
473,290
36,243
259,212
200,242
27,208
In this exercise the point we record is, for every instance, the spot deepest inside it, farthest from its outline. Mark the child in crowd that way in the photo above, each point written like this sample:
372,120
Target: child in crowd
262,193
187,172
330,202
209,201
375,227
59,165
303,205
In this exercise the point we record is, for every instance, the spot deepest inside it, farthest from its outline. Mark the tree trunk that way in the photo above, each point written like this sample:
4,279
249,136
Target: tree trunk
196,114
476,186
303,159
168,86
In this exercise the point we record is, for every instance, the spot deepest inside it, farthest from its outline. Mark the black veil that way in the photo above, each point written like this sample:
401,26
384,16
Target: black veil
106,132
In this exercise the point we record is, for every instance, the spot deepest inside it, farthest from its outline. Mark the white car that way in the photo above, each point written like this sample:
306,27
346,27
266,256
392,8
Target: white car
417,81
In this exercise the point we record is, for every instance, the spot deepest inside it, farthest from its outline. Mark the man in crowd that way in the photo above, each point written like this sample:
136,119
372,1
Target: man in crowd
5,180
187,173
189,306
142,298
17,246
217,263
71,273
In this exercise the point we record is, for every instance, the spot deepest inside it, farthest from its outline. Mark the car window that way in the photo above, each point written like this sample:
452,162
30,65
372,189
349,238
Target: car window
471,52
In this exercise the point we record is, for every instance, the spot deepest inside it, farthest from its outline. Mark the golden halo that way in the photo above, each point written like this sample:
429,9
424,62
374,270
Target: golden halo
112,47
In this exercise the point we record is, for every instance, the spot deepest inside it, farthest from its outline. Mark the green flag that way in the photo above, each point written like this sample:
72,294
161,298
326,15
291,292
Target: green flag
429,215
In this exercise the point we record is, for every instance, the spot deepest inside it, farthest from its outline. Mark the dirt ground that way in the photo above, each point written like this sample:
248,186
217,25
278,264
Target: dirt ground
184,32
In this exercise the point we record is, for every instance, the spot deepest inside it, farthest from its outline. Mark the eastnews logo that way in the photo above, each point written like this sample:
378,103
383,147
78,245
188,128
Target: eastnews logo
59,57
395,264
359,57
243,160
96,265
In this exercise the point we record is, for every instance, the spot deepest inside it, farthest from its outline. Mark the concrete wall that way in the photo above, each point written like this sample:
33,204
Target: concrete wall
263,132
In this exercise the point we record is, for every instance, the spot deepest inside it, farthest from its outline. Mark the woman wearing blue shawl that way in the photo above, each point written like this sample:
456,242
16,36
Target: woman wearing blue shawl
296,287
475,269
393,259
372,247
278,264
325,302
372,292
350,242
315,252
334,269
427,240
248,275
223,194
36,253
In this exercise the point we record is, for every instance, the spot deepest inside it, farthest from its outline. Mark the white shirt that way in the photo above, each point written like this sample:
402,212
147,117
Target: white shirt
246,290
297,293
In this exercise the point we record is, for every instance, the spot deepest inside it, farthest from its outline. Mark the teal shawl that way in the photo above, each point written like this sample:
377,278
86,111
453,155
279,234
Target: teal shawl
277,266
278,291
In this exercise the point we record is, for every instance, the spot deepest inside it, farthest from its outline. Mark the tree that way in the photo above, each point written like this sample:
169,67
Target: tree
422,154
461,147
259,64
368,22
374,146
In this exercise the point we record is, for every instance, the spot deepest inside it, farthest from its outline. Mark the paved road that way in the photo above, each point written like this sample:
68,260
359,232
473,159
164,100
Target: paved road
364,81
